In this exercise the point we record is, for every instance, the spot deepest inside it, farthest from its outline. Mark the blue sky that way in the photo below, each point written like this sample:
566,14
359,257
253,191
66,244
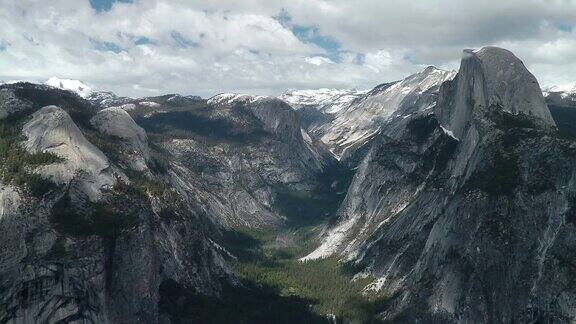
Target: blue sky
204,47
104,5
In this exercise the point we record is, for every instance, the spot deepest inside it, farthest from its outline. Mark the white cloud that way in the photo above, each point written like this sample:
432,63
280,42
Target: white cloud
379,61
318,60
206,47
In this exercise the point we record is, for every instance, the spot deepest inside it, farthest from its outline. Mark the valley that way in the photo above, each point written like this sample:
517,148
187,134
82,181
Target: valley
442,197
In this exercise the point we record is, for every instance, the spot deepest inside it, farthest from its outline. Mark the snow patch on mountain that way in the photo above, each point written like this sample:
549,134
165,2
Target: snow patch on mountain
567,87
232,98
76,86
326,100
357,122
564,90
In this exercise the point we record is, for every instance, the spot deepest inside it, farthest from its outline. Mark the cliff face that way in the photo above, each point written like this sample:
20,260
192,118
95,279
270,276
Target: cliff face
465,213
242,156
106,221
491,77
86,237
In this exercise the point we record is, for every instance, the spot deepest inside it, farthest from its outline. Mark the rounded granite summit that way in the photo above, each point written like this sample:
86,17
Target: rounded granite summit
490,78
509,84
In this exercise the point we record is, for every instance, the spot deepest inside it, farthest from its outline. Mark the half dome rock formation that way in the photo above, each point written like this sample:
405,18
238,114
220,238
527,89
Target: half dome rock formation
492,77
51,130
465,212
115,121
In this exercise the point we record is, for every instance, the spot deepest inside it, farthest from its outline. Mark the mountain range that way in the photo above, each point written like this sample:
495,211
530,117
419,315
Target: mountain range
447,196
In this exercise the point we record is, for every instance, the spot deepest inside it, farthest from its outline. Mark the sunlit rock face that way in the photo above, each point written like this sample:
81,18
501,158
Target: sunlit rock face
347,120
492,77
51,130
116,122
465,212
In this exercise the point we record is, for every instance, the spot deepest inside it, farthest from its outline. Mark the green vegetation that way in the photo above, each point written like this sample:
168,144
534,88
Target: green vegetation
193,123
565,118
323,282
16,164
267,260
105,219
325,285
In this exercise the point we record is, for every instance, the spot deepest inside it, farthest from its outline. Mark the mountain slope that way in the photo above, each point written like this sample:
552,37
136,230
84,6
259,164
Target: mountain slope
464,213
241,155
85,238
346,120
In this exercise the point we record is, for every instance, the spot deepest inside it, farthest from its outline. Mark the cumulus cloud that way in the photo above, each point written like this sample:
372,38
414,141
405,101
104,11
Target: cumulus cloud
148,47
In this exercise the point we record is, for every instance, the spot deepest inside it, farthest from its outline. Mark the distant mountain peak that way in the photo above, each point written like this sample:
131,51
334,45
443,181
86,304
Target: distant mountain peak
565,90
232,98
76,86
329,100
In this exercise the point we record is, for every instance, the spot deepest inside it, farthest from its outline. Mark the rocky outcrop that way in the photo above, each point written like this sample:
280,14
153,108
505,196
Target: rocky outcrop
10,104
97,247
9,200
464,212
116,122
51,130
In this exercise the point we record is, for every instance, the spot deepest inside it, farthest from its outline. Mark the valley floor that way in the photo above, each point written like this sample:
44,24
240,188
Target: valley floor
269,262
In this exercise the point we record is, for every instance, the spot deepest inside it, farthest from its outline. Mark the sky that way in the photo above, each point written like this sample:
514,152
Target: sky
205,47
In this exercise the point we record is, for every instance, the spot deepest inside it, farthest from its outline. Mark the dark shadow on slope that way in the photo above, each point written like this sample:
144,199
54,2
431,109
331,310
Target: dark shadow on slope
565,118
219,129
249,304
312,208
80,110
244,246
310,115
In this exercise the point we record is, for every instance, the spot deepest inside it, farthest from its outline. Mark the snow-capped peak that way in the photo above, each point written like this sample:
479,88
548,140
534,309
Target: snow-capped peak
327,100
565,90
75,86
232,98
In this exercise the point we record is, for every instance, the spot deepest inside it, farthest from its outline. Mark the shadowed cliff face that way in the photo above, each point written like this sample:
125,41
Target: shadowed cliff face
464,213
